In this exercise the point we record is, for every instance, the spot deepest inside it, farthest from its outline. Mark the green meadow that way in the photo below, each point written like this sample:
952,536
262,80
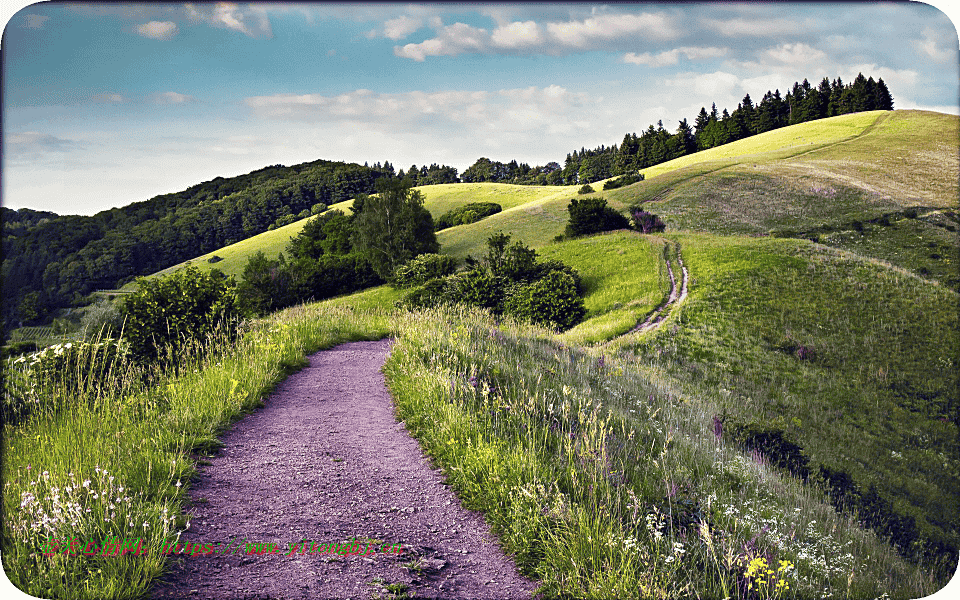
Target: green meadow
788,431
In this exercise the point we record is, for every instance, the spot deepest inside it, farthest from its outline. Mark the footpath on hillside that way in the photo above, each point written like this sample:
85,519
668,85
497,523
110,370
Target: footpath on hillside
325,472
676,296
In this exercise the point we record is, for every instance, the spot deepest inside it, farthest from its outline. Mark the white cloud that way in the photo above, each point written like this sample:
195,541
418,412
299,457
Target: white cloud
158,30
33,142
34,21
796,54
671,57
517,35
450,41
930,45
401,27
592,33
251,20
754,27
606,27
173,98
109,98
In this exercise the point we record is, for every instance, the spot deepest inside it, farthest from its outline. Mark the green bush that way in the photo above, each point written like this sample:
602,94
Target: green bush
423,268
432,293
592,215
621,181
552,301
167,314
586,189
476,287
466,214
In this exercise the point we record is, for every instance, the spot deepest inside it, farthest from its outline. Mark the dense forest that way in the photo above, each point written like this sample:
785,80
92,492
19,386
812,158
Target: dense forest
53,261
655,145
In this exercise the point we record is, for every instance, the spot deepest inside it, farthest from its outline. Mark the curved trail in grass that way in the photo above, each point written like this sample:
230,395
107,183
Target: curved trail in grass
657,317
326,461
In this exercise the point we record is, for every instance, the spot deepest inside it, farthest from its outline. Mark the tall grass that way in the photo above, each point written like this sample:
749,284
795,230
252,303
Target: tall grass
97,465
606,482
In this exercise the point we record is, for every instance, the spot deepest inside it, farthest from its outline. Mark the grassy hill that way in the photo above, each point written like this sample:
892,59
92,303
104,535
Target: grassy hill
789,430
882,184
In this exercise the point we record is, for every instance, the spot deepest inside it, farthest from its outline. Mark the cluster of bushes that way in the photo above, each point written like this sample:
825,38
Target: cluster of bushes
336,253
508,280
168,315
623,180
592,215
466,214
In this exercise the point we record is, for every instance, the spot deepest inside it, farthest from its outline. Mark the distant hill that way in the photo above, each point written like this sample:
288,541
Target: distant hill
835,180
61,260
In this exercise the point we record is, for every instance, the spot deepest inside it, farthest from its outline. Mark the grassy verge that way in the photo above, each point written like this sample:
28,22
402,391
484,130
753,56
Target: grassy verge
605,482
115,465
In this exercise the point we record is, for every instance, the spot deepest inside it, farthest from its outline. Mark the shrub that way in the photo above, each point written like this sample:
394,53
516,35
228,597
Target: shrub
592,215
623,180
466,214
586,189
645,222
552,301
423,268
167,313
428,295
103,318
476,287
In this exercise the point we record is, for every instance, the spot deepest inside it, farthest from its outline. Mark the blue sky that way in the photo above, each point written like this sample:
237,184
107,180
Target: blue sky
107,104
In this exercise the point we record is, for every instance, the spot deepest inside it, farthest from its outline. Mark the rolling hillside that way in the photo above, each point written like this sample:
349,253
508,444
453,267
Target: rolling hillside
882,184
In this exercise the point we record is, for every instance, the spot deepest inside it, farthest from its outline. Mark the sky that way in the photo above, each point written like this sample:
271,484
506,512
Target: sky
108,104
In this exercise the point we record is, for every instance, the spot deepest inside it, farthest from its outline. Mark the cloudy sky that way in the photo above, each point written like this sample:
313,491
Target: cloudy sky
107,104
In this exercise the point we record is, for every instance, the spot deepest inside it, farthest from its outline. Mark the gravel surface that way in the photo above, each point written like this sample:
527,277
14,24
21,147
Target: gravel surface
326,461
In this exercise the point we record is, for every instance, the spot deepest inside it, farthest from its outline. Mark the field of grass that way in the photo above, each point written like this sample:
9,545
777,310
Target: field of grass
624,276
608,482
855,360
117,464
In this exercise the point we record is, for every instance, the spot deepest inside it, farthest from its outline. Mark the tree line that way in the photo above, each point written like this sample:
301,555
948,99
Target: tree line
53,262
655,145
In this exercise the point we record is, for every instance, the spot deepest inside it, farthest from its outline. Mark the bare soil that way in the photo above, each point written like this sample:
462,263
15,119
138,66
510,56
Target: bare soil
326,461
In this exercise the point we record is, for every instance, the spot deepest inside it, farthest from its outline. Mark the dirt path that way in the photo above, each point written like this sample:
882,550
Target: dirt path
656,318
326,461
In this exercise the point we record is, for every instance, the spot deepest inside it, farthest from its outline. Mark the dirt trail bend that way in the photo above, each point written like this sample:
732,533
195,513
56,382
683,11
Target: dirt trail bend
326,461
655,319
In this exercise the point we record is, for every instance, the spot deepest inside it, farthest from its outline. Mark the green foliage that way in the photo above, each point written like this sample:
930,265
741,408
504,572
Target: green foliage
592,215
629,178
102,319
167,313
552,301
423,268
586,189
476,287
392,227
328,233
466,214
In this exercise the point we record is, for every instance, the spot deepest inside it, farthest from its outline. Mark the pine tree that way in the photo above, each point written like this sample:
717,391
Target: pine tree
884,100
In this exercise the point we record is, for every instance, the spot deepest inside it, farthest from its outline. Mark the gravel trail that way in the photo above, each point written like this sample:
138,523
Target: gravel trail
326,461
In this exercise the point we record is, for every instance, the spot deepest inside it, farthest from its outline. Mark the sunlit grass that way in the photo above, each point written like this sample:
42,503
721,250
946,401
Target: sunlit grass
606,482
116,464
